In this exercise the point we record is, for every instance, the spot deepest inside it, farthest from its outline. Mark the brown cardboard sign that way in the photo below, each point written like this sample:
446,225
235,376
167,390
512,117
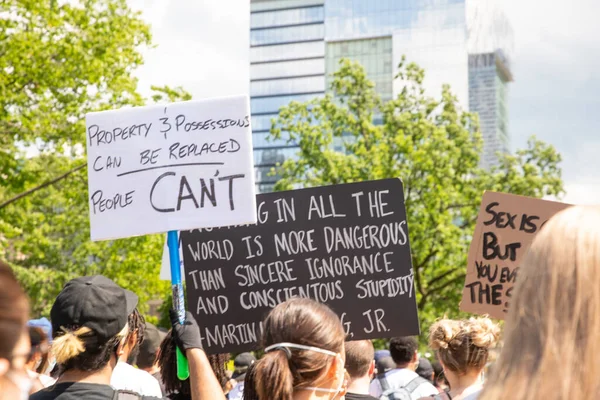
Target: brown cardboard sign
506,226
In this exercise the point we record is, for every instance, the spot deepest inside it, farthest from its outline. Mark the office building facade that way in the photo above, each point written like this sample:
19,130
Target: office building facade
297,44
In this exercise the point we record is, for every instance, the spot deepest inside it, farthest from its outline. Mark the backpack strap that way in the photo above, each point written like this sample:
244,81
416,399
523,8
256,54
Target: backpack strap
415,383
383,382
126,395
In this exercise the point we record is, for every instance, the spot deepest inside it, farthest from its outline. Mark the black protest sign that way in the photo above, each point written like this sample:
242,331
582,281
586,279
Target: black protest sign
343,245
506,226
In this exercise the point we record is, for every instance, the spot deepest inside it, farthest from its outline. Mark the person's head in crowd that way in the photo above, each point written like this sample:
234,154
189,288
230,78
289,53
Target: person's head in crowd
404,351
135,337
40,347
304,354
241,364
147,357
384,365
425,369
360,365
439,379
551,337
462,347
90,327
175,388
14,339
44,324
380,355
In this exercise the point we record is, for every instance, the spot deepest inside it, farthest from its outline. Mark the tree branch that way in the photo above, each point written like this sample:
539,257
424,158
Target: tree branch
426,259
43,185
446,284
442,276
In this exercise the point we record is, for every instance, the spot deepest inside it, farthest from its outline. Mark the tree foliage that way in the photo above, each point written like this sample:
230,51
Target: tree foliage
60,60
432,145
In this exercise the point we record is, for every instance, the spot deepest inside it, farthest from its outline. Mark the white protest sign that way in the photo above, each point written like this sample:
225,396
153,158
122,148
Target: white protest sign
170,167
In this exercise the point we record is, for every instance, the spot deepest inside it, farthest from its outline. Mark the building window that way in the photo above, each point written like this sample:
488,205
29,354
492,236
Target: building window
287,51
273,104
287,34
288,86
287,17
287,69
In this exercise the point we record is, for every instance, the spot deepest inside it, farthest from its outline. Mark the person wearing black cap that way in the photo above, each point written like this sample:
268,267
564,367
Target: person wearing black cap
90,325
147,359
425,369
240,364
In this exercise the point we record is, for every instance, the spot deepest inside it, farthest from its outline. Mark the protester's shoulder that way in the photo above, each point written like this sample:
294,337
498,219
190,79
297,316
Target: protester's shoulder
74,391
400,377
425,389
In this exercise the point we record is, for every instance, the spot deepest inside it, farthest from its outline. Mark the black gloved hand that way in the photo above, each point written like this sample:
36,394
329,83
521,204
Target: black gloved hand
186,336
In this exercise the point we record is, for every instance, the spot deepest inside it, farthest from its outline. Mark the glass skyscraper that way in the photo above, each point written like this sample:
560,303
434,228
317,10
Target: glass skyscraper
297,44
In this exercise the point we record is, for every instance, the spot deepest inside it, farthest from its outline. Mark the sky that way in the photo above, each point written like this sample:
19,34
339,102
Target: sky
203,47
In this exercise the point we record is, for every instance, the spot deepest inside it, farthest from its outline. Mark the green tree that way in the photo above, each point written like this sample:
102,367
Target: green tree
61,60
433,146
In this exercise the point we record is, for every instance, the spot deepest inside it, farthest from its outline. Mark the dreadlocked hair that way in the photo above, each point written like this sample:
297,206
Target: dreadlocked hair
217,363
137,325
167,361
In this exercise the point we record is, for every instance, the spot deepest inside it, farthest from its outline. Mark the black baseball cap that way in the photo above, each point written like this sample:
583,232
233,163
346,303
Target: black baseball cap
149,347
95,302
241,364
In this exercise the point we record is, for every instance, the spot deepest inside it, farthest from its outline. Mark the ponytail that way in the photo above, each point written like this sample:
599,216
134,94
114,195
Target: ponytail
69,345
273,378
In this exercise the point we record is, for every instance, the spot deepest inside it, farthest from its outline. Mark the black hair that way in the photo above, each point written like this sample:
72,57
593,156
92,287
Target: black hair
95,355
137,325
402,349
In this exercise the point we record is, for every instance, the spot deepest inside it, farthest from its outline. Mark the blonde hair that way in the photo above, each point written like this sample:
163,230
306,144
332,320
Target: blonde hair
552,333
71,344
463,346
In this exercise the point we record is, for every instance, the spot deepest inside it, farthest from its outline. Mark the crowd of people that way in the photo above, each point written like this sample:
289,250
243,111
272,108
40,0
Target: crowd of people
97,345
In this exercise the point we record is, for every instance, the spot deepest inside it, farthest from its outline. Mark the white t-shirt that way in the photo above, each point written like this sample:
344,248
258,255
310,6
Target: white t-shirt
237,393
126,377
398,378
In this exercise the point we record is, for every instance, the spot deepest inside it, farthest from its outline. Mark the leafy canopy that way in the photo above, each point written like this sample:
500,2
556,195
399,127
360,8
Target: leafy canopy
61,60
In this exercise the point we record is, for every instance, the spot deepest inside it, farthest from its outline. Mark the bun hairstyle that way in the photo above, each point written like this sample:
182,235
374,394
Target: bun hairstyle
282,370
79,348
463,345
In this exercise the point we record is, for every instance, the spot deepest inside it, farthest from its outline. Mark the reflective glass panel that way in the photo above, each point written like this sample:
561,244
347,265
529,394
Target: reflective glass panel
261,139
287,68
287,51
262,122
285,86
287,17
287,34
273,104
375,55
274,156
353,19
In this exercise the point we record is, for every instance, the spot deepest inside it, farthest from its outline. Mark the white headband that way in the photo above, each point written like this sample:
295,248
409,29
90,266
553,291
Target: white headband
286,345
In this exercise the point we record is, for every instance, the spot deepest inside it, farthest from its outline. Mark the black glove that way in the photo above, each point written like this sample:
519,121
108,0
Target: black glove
186,336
